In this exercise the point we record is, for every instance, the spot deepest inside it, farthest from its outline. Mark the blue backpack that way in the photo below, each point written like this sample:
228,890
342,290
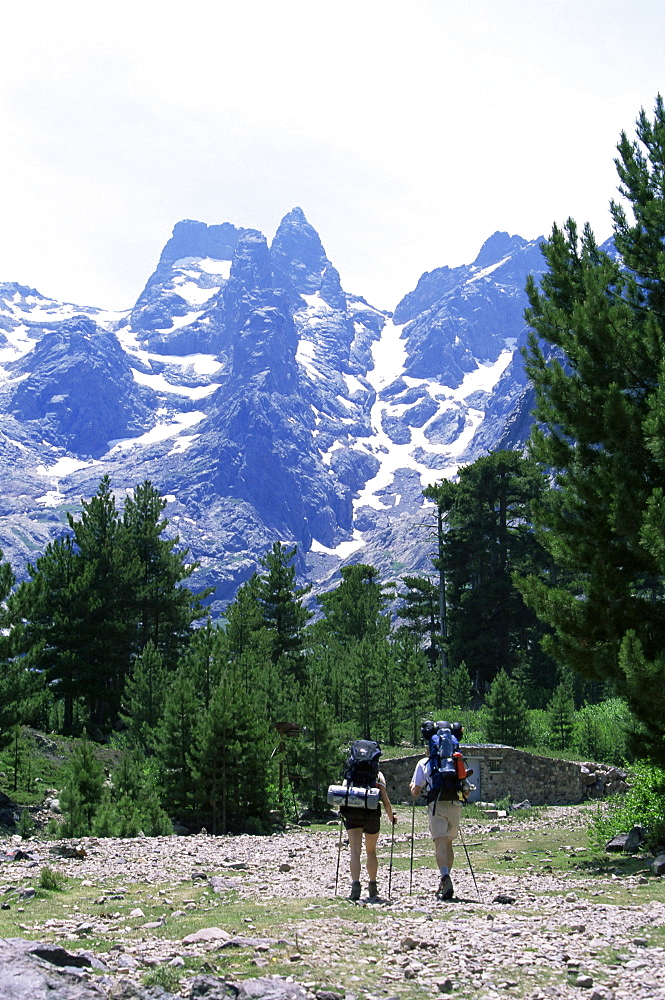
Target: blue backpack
443,780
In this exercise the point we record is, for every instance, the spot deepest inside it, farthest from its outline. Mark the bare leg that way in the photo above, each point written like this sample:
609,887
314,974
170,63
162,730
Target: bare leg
355,845
371,860
443,848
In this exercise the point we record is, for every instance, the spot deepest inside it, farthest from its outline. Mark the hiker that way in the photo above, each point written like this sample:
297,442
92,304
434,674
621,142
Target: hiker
359,799
444,803
368,822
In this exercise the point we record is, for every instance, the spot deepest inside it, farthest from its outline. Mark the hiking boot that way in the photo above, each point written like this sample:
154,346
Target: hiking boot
373,892
355,890
445,890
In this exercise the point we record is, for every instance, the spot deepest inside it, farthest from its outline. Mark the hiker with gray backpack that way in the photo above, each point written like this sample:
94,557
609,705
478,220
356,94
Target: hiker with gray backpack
443,776
358,799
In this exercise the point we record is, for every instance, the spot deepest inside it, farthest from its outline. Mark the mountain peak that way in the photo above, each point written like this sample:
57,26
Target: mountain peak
197,239
300,262
497,246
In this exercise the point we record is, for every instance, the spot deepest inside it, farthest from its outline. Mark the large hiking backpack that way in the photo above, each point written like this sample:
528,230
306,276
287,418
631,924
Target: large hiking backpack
362,764
444,780
360,775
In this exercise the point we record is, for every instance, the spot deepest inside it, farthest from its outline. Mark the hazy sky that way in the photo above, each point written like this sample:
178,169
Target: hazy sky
408,132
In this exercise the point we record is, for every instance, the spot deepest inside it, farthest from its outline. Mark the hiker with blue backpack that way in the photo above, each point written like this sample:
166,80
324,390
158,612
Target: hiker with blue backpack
442,774
359,799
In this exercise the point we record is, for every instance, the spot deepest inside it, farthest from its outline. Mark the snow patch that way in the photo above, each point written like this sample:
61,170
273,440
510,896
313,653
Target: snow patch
193,293
485,377
352,383
160,432
183,443
389,354
487,270
63,467
159,384
343,550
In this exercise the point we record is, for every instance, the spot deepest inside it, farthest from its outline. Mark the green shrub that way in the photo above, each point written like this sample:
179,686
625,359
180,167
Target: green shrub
643,805
601,731
26,823
50,880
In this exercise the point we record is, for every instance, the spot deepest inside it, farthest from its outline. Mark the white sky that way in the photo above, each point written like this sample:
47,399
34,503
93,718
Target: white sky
408,132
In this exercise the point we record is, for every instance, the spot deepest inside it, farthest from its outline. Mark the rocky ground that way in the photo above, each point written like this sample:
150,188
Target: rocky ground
538,916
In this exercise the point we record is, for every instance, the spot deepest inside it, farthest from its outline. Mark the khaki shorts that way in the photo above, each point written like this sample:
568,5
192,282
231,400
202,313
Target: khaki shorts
446,819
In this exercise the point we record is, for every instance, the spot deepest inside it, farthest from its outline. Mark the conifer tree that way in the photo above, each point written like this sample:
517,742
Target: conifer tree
175,736
282,609
355,609
145,690
596,359
49,624
416,681
22,690
155,568
203,660
245,618
105,620
316,753
130,806
458,688
231,772
420,612
82,791
507,716
561,714
95,597
488,543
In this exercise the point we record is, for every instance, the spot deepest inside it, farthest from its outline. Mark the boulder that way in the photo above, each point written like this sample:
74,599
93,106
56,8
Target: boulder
630,841
30,970
658,865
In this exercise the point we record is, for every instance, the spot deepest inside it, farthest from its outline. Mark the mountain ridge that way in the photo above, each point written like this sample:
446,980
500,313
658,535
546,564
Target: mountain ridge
263,400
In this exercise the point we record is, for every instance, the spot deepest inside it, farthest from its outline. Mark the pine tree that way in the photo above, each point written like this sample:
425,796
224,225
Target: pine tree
144,694
355,609
130,807
230,766
282,609
490,541
50,620
561,713
316,754
22,690
458,688
420,611
244,618
95,598
82,791
105,620
416,681
203,660
596,359
175,736
507,716
155,569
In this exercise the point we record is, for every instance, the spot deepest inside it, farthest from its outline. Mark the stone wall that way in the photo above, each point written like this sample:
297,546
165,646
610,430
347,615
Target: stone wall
501,771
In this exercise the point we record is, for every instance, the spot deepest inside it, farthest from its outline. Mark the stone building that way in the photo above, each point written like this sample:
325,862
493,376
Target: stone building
501,772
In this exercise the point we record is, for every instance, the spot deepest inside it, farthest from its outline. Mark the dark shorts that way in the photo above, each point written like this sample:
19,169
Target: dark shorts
367,820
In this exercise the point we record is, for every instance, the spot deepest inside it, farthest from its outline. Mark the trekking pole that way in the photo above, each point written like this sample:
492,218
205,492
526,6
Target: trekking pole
470,865
413,826
339,850
390,871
